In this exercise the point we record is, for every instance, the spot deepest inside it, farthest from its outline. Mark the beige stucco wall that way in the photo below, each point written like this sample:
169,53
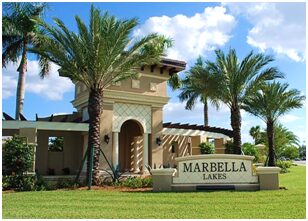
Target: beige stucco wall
144,86
146,77
219,146
182,148
69,158
106,129
156,151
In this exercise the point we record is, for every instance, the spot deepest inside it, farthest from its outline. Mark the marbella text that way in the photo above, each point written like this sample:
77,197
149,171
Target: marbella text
214,170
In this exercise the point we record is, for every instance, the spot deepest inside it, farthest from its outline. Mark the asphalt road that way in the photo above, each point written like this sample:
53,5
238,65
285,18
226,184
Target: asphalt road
302,162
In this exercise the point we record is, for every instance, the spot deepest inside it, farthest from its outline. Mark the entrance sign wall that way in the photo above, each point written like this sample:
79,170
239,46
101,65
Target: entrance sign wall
215,168
214,172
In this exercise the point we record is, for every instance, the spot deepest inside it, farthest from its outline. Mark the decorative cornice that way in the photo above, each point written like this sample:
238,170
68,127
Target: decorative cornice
154,76
111,96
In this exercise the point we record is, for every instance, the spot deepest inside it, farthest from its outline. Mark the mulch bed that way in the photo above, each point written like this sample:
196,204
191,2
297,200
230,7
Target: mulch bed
118,188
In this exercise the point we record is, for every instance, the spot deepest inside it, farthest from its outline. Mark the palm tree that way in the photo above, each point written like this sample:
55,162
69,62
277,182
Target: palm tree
98,56
199,83
272,101
255,132
239,79
282,138
18,32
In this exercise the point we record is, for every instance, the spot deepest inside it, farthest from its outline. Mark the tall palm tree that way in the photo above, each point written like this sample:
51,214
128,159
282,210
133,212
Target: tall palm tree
272,101
282,138
255,132
98,56
199,83
239,79
18,33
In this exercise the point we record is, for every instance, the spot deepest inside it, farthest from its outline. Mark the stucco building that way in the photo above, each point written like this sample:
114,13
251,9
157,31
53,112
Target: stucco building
132,130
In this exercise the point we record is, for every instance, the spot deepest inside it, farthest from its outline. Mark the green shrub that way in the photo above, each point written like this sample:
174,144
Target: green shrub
229,147
284,165
17,156
23,183
17,160
251,150
206,148
289,152
65,183
137,182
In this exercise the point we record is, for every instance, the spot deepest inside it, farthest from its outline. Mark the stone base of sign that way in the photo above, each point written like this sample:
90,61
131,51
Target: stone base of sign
209,187
162,179
268,177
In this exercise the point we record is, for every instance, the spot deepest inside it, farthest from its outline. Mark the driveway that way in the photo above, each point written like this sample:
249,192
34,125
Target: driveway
301,162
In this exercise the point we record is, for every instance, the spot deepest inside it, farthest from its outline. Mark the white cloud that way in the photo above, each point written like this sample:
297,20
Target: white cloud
277,26
175,112
52,87
289,118
194,35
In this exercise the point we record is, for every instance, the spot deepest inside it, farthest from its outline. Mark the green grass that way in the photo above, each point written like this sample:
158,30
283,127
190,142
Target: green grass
289,203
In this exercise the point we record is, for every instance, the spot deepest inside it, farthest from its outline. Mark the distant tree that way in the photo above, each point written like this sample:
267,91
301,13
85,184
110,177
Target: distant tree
289,152
255,132
56,144
251,150
19,32
302,151
270,103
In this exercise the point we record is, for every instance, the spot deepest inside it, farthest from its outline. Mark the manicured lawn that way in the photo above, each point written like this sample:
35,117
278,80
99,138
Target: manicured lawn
289,203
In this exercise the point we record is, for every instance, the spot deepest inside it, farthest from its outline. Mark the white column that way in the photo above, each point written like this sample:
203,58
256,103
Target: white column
136,166
34,157
85,147
145,151
115,149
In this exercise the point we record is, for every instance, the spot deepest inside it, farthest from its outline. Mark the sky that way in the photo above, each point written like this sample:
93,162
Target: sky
277,29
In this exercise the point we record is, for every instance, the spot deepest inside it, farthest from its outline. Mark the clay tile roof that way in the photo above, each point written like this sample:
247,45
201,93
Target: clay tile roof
224,131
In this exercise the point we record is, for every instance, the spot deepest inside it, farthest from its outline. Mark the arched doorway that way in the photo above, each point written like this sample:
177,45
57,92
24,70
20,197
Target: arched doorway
130,146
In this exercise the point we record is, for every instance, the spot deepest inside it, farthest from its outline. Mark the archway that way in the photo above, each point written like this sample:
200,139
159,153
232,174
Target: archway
130,146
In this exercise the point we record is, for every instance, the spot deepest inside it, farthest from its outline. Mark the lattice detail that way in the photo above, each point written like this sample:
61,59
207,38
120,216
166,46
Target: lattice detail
123,112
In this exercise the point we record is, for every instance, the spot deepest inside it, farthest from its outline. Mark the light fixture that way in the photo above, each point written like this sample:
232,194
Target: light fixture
158,141
106,139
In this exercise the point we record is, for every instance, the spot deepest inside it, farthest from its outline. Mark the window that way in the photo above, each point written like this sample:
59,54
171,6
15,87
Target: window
55,144
174,147
211,140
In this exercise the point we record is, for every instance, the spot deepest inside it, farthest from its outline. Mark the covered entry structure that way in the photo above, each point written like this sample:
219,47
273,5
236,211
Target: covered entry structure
48,161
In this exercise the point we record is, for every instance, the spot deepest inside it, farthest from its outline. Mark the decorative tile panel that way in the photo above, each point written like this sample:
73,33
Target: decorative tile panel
123,112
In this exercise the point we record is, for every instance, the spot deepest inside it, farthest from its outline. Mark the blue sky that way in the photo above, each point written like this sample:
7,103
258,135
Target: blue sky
197,28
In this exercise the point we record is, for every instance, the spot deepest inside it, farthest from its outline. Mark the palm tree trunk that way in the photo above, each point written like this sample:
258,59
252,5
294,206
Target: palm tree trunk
95,110
20,91
206,113
236,127
270,137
